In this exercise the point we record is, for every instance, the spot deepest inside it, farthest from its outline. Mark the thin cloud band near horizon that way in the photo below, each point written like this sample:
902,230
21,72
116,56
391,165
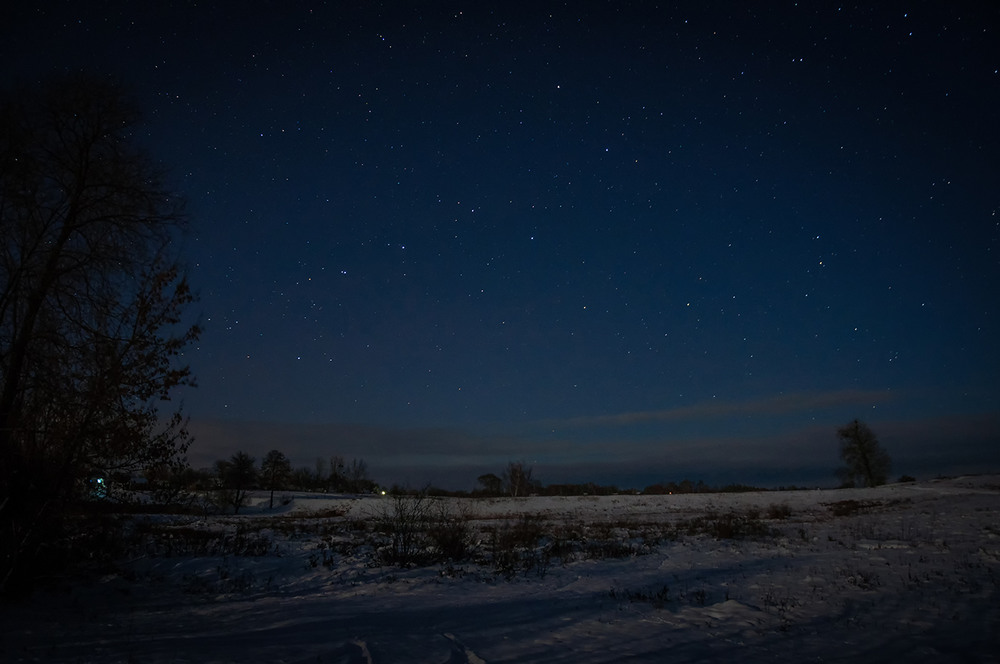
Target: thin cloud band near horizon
781,404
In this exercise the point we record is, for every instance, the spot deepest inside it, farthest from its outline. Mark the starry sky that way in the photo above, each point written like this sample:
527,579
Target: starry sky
626,242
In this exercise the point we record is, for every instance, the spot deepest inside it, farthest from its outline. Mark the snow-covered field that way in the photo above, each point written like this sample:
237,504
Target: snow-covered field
907,573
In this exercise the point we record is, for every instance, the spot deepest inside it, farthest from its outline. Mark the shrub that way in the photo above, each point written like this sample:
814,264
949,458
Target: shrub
730,525
403,518
848,507
449,532
186,540
779,511
514,546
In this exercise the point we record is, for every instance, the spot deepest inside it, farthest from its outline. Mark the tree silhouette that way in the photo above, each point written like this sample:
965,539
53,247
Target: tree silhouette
238,475
492,485
865,461
338,477
91,302
274,472
356,477
517,479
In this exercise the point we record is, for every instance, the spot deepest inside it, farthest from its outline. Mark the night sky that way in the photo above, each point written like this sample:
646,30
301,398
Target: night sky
624,242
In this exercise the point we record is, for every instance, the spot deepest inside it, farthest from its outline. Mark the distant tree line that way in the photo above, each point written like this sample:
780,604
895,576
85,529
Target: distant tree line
865,464
228,482
517,480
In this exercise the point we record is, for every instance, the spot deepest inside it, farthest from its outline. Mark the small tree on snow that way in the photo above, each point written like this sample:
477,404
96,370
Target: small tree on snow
866,463
274,472
238,476
517,479
492,485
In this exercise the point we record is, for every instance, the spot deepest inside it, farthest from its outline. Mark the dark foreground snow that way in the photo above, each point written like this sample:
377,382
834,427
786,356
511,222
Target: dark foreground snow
906,573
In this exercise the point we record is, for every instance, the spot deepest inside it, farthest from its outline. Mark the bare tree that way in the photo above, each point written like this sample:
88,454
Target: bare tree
303,478
237,476
865,461
91,302
337,470
275,470
357,477
517,479
403,518
322,477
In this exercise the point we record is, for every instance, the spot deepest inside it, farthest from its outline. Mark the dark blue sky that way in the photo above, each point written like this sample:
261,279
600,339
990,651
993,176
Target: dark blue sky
626,242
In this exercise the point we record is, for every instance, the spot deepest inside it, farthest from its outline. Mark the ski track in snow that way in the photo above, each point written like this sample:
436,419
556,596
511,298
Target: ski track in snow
910,573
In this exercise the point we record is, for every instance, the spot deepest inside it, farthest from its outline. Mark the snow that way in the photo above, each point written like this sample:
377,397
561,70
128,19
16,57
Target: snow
906,572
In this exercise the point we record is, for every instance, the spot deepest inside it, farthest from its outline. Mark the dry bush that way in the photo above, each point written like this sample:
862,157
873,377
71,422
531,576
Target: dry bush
731,525
515,546
451,533
779,511
849,507
403,519
167,541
